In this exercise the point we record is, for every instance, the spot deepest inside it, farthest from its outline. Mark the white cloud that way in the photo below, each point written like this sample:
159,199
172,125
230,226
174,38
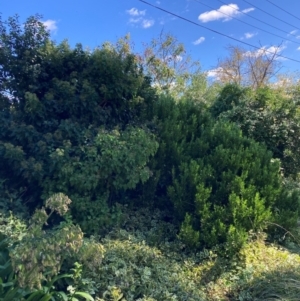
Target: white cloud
199,41
248,10
265,51
214,72
171,58
293,31
50,25
135,12
137,17
298,48
225,12
147,23
178,58
218,73
249,35
158,2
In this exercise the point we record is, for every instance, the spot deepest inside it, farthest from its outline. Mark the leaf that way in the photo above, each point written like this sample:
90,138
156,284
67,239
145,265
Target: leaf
46,298
62,295
57,278
84,295
33,296
10,295
7,284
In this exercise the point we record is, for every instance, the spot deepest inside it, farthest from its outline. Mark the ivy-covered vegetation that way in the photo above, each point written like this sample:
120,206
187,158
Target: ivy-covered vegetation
114,188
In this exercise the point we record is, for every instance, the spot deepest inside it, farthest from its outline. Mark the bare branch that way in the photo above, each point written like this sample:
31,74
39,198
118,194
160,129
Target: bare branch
249,68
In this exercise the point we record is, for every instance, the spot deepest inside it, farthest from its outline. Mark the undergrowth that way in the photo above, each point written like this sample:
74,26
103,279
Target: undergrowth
144,260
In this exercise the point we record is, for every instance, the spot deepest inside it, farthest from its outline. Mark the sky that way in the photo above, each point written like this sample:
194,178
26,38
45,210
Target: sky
216,24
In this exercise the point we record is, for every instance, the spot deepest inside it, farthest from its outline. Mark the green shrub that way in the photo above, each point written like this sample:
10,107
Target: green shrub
267,116
11,201
9,289
219,183
144,261
72,121
175,125
229,186
138,267
94,175
228,98
31,258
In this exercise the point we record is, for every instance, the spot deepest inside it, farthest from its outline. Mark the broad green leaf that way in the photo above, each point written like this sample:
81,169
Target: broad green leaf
84,295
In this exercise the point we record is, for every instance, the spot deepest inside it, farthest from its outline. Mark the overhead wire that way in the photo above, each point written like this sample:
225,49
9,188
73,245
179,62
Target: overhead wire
283,9
271,14
215,31
257,19
274,34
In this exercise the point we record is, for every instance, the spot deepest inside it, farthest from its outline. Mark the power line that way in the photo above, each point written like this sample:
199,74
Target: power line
258,19
250,24
272,15
217,32
283,9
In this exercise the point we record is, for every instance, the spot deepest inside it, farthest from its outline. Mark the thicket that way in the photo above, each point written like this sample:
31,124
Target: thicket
267,115
219,183
71,122
87,129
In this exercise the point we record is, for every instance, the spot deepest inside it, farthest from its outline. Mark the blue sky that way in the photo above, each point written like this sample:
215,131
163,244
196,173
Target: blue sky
92,22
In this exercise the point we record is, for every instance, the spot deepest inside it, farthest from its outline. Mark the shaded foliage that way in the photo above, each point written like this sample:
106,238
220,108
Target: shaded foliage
71,118
219,183
89,125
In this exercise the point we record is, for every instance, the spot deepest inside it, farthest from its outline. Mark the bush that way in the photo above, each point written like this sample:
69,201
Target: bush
175,126
219,183
267,116
95,174
143,262
229,186
31,258
72,121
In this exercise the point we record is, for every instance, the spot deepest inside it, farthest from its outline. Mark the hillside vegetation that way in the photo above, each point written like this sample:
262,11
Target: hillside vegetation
120,185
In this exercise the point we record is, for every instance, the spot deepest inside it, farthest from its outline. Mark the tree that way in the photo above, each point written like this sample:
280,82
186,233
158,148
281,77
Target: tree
249,68
21,54
165,60
173,71
72,119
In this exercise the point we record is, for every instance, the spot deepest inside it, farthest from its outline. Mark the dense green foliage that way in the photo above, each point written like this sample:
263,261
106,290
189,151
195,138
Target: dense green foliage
269,117
71,121
144,261
219,183
153,174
